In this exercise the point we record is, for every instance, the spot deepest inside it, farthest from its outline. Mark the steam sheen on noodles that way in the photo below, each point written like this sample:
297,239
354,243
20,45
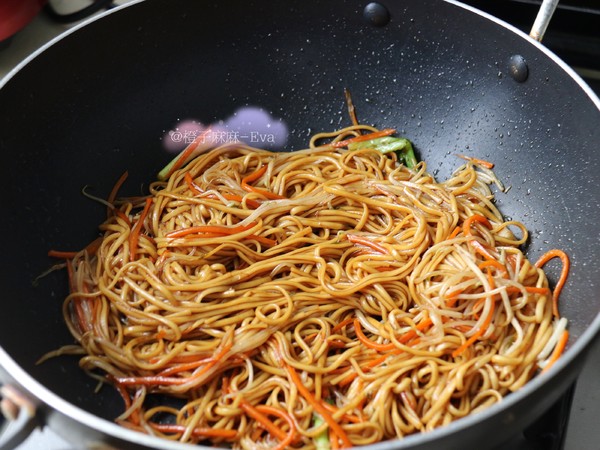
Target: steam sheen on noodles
325,298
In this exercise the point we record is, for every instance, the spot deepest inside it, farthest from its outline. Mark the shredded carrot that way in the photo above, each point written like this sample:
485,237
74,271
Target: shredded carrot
180,359
123,216
316,404
364,137
169,381
529,289
478,246
225,388
361,240
257,415
255,176
134,235
208,231
494,263
134,417
365,367
182,367
291,434
558,350
91,250
115,190
477,161
369,343
342,324
196,190
566,264
404,339
197,431
452,297
334,441
454,233
187,152
191,185
421,326
349,379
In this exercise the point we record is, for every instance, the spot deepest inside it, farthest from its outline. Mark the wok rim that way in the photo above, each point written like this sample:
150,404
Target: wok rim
20,378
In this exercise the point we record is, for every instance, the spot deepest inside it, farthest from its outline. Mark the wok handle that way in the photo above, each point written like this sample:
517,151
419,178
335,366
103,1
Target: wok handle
20,414
543,19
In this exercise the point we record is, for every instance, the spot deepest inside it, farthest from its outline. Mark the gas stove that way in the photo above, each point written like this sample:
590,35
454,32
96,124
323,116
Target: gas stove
571,424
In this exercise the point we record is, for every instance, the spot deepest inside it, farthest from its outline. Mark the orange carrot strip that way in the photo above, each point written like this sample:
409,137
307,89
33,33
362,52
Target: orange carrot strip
317,405
475,243
369,343
255,176
197,431
134,236
180,359
474,218
361,240
263,420
454,233
366,367
452,297
349,379
237,198
477,161
529,289
566,264
364,137
91,249
123,216
191,185
115,190
291,434
134,417
186,153
170,381
182,367
225,388
405,338
208,231
558,350
342,324
494,263
334,441
426,322
196,190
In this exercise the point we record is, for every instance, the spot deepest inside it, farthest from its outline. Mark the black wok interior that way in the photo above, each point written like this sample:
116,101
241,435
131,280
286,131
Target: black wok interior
99,101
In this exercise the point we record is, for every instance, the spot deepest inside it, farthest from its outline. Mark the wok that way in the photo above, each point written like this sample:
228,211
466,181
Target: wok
100,99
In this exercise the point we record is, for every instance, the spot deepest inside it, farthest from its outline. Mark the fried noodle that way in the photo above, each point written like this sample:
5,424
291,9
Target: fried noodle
265,300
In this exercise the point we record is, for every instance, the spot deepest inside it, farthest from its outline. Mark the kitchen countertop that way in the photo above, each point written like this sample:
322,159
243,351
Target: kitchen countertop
583,432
